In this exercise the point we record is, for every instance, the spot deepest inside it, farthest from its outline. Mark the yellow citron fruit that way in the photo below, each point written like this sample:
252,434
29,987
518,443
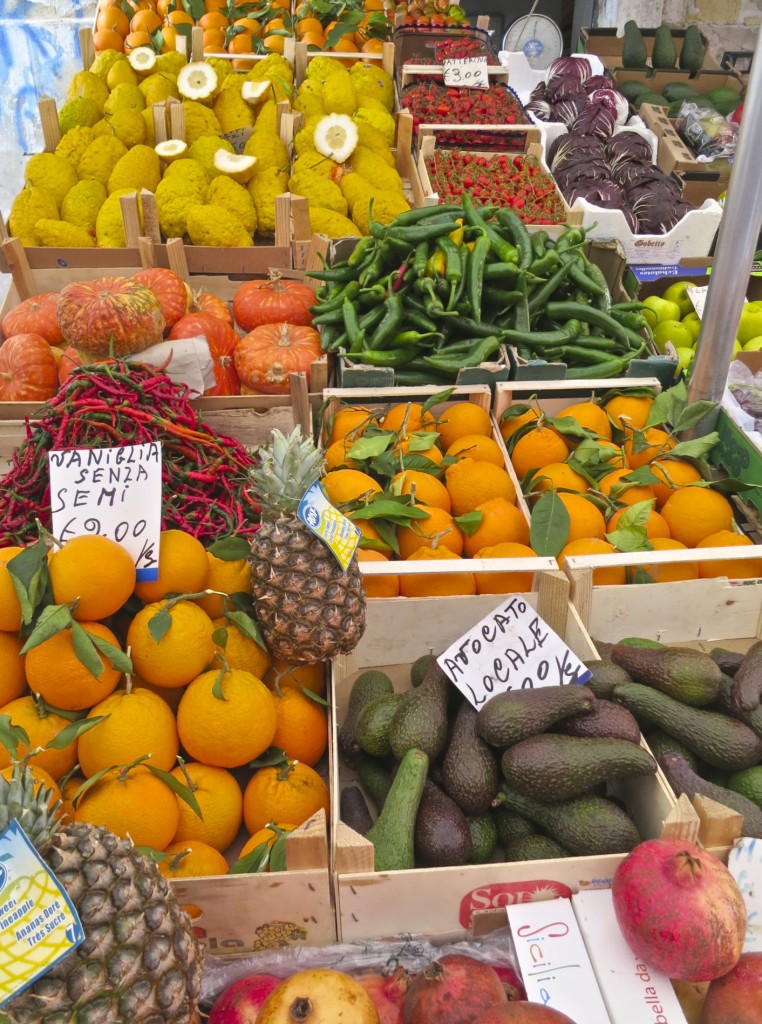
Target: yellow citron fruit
192,859
228,577
184,650
230,729
241,651
183,567
54,671
12,673
221,802
10,609
461,419
470,483
132,804
96,572
136,723
504,582
41,726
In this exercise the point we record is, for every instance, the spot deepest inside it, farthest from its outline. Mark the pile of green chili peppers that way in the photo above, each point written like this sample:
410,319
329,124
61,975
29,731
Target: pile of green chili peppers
445,287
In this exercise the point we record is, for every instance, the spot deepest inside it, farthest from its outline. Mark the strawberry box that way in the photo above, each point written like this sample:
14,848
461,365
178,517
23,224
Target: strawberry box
430,102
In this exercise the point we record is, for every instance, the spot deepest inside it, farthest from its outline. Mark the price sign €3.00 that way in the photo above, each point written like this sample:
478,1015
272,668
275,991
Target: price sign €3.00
466,73
510,649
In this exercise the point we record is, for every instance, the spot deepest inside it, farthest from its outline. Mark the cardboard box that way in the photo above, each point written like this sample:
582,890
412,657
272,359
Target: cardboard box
739,452
675,156
606,44
449,902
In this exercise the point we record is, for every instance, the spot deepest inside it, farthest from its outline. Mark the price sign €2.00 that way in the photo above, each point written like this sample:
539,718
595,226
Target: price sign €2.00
466,73
510,649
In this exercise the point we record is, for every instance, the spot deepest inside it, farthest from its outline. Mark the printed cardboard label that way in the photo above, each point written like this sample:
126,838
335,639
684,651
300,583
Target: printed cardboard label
337,532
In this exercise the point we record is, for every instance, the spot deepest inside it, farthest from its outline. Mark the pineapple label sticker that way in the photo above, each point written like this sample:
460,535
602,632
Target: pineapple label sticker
512,648
38,924
466,73
326,522
115,492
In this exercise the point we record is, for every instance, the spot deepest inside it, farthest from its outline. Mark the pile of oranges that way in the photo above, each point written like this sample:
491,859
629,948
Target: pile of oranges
200,686
590,468
452,470
366,36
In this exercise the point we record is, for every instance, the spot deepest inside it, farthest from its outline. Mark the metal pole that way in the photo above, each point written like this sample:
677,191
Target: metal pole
736,244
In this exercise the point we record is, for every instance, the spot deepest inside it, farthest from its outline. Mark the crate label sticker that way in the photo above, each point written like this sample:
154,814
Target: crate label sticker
114,492
38,923
654,271
505,894
745,865
553,960
337,532
466,73
238,137
512,648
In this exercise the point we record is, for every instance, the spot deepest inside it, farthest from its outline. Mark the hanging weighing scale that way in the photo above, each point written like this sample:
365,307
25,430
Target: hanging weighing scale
537,37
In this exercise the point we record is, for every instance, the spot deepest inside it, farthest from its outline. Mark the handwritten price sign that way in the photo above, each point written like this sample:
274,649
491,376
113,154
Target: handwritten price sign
510,649
466,73
114,492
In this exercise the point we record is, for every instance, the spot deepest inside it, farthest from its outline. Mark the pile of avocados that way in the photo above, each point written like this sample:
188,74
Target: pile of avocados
527,777
674,94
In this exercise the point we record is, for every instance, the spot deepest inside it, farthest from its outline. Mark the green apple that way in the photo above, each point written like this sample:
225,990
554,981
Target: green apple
674,331
750,325
684,359
693,323
755,345
657,310
677,292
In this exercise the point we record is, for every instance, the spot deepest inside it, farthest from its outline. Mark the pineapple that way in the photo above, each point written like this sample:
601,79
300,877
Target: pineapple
308,607
140,960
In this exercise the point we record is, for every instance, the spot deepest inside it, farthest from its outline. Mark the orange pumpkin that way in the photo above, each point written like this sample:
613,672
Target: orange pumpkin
267,355
169,288
35,316
276,300
221,339
111,316
28,369
208,303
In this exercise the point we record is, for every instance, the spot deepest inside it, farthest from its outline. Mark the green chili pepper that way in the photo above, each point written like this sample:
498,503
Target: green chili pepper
546,264
424,213
352,327
420,259
595,317
569,239
635,321
539,238
340,273
360,250
475,283
392,357
333,316
452,362
547,290
373,317
538,339
370,273
421,339
391,322
521,310
497,271
423,232
418,320
612,367
603,300
519,235
506,252
468,326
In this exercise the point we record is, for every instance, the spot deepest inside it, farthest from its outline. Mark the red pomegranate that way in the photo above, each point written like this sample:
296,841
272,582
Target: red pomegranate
110,316
387,993
680,909
736,998
240,1002
525,1013
512,983
454,989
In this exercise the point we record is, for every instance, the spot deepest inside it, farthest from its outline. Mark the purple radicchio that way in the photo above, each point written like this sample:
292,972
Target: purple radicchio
568,110
575,148
539,109
571,67
656,210
595,120
597,82
628,145
615,102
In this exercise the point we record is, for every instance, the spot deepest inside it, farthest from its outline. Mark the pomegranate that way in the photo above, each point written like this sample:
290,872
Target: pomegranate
512,983
679,909
241,1002
736,998
525,1013
318,996
387,993
454,989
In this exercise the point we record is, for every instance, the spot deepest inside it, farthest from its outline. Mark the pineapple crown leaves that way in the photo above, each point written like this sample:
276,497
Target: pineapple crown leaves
264,855
177,787
287,467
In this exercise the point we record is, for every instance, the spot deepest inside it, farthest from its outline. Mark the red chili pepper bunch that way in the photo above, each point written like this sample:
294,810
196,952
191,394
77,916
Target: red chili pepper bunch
205,476
497,179
431,102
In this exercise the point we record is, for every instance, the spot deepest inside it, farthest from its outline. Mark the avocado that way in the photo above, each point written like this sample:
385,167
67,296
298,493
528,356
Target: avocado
365,688
550,768
393,832
726,107
534,847
375,780
420,667
511,826
664,54
634,52
746,690
678,91
748,783
373,723
639,641
660,742
420,720
483,837
587,827
673,110
729,661
512,716
353,810
687,675
683,780
725,702
631,90
654,98
442,834
693,51
469,771
606,675
604,720
715,738
716,776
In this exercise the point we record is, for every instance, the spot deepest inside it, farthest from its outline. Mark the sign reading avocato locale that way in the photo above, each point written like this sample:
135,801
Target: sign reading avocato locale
512,648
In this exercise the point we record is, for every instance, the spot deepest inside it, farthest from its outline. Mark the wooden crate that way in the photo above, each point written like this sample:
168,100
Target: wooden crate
235,915
303,55
443,902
